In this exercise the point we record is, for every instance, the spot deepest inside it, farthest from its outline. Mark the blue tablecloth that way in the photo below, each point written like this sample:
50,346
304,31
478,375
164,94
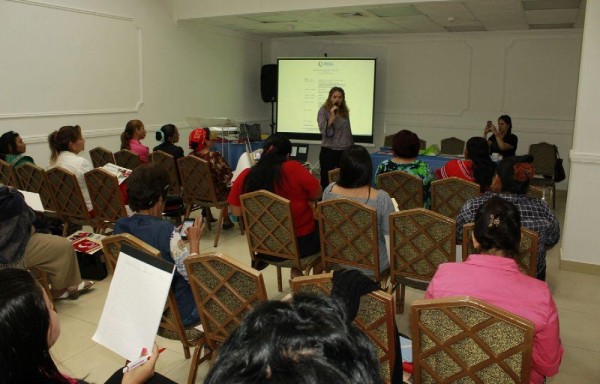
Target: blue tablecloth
434,162
232,151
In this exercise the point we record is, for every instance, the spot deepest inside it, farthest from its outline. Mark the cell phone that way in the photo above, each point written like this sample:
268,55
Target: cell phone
186,224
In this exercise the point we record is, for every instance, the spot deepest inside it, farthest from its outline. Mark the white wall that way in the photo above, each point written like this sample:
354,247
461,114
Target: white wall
101,63
442,86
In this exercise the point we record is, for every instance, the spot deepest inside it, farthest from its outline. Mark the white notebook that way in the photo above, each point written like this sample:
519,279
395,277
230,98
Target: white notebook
135,303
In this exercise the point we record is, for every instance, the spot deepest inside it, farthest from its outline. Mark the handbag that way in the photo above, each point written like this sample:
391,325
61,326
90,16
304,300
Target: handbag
559,169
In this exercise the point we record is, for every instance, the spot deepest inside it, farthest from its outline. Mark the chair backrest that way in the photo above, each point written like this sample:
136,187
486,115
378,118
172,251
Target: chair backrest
7,175
349,235
453,146
375,318
106,195
269,225
406,188
225,291
69,199
34,179
465,340
535,192
528,249
544,158
422,144
168,162
127,159
388,141
196,179
334,175
449,195
420,240
101,156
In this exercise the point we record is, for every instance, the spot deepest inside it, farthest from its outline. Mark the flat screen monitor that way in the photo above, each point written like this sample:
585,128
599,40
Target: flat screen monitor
303,85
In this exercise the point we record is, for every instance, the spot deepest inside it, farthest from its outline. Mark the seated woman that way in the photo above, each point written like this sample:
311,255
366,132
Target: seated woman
200,143
289,179
168,135
511,183
502,141
131,139
147,190
477,166
22,247
65,146
30,327
12,149
406,148
355,184
494,276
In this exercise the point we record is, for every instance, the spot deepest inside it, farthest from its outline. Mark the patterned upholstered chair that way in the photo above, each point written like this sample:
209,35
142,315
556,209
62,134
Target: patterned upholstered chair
535,192
7,175
465,340
101,156
225,291
333,175
544,160
452,146
198,189
171,325
127,159
69,199
106,197
388,140
528,248
449,195
420,240
270,230
375,318
168,162
34,179
407,189
349,236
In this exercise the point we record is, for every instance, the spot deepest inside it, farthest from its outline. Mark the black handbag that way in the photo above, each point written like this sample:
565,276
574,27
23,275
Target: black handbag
559,169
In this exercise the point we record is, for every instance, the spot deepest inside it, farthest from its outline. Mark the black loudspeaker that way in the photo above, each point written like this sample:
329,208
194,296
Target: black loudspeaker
268,83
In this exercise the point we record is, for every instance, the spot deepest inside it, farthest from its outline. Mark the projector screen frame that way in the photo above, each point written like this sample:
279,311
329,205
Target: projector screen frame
316,138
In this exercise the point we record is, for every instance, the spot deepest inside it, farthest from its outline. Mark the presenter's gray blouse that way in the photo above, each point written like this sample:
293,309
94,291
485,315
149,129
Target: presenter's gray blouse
340,131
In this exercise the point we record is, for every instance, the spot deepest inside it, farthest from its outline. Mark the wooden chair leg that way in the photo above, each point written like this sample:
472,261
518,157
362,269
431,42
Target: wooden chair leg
188,210
400,299
197,359
65,229
241,224
186,351
279,284
219,224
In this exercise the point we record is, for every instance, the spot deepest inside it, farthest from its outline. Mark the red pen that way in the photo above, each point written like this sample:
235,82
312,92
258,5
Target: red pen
141,361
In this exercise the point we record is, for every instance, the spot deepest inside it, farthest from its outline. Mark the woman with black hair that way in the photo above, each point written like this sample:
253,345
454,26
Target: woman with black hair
168,135
355,184
289,179
30,327
494,276
477,166
511,183
502,141
147,189
12,149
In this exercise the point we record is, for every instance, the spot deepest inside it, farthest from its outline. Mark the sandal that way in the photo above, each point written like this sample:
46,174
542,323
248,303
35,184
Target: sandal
73,294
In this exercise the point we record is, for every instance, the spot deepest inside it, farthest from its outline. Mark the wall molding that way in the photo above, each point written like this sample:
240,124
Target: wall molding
478,127
584,157
127,19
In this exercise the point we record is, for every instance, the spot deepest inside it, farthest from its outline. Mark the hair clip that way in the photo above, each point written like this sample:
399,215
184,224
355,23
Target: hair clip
494,221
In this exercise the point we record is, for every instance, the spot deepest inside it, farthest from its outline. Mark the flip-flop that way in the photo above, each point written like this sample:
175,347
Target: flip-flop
85,286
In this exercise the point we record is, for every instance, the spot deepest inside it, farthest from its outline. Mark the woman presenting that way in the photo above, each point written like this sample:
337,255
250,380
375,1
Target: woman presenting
334,124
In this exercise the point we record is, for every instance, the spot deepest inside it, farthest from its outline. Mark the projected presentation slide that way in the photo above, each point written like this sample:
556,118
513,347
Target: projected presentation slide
303,87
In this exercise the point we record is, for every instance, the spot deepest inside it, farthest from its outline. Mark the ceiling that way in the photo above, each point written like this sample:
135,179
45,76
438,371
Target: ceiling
420,17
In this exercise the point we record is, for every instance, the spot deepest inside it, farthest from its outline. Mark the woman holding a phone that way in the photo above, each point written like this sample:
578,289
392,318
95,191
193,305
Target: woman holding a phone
502,141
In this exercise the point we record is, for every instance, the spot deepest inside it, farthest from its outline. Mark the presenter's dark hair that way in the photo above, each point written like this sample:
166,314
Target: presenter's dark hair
508,122
299,342
8,144
266,174
147,183
406,144
24,323
478,151
166,132
498,226
130,128
59,140
356,169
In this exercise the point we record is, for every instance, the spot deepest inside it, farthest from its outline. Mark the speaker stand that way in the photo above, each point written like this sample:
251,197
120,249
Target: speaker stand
273,125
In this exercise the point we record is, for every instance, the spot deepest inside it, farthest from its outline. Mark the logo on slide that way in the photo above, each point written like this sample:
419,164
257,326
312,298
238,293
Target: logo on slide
325,64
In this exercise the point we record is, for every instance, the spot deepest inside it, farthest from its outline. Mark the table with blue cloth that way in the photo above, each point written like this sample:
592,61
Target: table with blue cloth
434,162
232,151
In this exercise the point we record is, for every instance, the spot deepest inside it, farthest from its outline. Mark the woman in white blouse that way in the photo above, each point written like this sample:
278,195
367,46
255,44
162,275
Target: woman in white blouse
65,146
